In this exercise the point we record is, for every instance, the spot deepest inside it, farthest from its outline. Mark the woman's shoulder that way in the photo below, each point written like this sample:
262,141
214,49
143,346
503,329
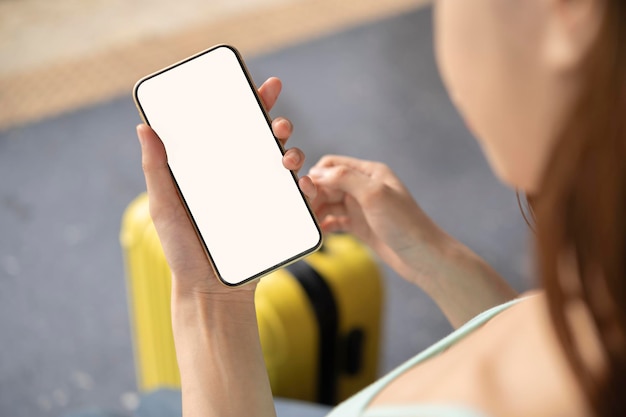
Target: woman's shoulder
415,371
509,355
531,293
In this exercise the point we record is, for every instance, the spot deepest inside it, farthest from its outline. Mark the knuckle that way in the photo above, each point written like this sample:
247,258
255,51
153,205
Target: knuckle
382,168
161,212
150,166
146,166
326,160
341,172
156,213
375,192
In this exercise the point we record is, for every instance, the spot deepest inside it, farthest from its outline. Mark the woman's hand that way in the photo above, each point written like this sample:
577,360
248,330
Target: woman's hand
188,262
215,327
368,200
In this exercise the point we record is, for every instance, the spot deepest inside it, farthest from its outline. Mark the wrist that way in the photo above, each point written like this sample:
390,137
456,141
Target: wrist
201,287
210,306
219,352
452,264
429,258
463,284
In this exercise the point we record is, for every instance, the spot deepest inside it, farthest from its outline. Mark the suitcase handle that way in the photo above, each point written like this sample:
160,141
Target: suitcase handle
326,312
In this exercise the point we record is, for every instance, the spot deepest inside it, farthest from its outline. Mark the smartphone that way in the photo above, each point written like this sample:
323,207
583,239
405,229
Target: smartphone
247,209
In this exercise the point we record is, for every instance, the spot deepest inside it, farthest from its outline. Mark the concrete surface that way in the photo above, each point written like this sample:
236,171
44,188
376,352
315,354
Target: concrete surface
67,54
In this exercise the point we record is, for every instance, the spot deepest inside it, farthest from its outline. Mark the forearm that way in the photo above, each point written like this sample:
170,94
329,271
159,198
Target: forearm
219,356
461,283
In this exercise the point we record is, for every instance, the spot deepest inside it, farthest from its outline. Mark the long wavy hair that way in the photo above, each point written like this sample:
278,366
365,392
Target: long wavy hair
581,216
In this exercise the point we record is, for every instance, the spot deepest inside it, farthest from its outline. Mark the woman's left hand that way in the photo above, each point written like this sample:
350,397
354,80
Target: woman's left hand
191,270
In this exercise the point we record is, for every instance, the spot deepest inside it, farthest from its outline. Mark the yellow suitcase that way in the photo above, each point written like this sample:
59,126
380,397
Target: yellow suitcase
319,319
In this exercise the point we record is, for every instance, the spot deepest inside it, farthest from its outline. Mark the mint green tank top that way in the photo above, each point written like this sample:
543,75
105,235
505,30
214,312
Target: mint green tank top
357,406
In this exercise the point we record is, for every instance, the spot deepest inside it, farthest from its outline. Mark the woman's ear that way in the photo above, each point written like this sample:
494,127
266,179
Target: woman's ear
572,27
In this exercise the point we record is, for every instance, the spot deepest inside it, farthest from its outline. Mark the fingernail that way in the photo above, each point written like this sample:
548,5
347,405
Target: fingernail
287,123
140,135
281,121
295,158
317,173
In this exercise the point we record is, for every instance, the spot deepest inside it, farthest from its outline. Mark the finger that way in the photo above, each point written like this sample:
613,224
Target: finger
308,188
269,92
331,210
347,180
162,194
333,224
293,159
380,173
325,195
282,128
354,163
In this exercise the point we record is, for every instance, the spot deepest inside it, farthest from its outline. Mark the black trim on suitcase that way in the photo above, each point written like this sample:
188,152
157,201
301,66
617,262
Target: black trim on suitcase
327,315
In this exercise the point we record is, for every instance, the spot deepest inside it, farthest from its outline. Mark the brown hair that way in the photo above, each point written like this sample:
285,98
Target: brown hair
581,211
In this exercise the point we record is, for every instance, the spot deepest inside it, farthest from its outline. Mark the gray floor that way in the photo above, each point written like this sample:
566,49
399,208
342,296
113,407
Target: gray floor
371,92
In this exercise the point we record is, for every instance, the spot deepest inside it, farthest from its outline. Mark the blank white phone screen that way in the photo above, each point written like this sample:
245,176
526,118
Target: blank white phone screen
245,204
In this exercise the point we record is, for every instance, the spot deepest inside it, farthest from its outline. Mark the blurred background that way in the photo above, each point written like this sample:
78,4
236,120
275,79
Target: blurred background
360,79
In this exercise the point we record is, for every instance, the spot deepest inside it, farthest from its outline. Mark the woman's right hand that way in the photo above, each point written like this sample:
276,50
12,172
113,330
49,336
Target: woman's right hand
368,200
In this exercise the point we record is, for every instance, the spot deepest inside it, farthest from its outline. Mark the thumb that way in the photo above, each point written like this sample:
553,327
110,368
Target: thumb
162,193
